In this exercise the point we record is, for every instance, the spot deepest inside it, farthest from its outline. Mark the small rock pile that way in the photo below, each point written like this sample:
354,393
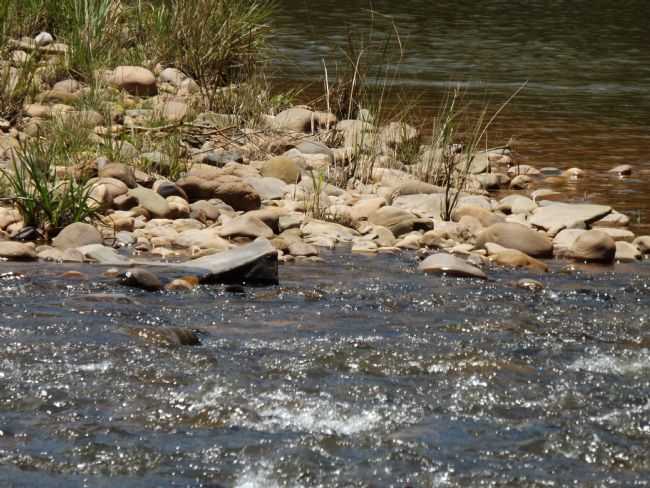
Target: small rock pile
263,184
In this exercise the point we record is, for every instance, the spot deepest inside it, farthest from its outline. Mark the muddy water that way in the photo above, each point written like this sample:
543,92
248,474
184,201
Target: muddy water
587,64
360,373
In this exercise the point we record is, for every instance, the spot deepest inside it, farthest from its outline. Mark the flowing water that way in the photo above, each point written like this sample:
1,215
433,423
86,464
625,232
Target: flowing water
587,63
361,373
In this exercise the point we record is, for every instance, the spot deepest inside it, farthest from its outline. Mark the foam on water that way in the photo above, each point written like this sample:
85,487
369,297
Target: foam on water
607,364
280,411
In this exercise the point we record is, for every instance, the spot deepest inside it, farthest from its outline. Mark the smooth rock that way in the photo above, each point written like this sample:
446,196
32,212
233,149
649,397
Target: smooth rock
594,245
622,170
246,226
282,168
517,259
76,235
530,284
558,216
148,199
643,244
17,251
447,264
254,263
135,79
141,278
625,252
103,255
268,188
120,172
519,237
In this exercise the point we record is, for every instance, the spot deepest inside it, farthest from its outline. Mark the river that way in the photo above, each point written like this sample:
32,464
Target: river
586,64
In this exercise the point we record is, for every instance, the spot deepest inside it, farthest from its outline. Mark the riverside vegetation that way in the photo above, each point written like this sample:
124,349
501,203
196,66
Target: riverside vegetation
135,132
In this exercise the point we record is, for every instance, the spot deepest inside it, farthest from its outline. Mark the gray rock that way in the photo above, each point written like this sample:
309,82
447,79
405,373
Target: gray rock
77,235
449,265
254,263
558,216
268,188
103,255
221,158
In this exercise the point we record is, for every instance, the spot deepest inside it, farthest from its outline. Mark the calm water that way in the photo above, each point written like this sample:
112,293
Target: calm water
587,63
369,374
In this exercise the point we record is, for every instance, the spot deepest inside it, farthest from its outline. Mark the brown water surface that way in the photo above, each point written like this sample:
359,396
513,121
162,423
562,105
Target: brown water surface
587,64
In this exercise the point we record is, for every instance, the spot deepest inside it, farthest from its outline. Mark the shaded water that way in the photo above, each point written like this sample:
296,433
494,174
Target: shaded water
587,63
362,372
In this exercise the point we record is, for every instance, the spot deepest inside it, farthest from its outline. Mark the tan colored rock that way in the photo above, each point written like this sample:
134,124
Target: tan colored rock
485,217
594,246
519,237
517,259
77,235
246,226
283,168
17,251
625,252
135,80
120,172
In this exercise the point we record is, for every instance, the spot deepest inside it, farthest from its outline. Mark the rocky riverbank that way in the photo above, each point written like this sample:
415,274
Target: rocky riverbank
224,182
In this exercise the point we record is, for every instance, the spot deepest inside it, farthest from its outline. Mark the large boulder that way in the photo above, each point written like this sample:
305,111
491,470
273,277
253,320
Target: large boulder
77,235
254,263
449,265
594,246
557,216
134,79
517,236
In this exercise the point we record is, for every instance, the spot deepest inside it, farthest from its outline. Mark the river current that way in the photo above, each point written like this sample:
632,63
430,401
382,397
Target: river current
360,372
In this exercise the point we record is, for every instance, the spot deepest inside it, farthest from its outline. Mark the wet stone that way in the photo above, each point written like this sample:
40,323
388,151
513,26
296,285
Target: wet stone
141,278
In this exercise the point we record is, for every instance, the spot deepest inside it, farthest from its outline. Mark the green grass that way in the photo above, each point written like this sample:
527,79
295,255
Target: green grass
43,199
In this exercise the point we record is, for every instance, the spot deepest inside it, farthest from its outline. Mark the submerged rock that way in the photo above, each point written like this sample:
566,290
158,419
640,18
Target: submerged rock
450,265
165,336
141,278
